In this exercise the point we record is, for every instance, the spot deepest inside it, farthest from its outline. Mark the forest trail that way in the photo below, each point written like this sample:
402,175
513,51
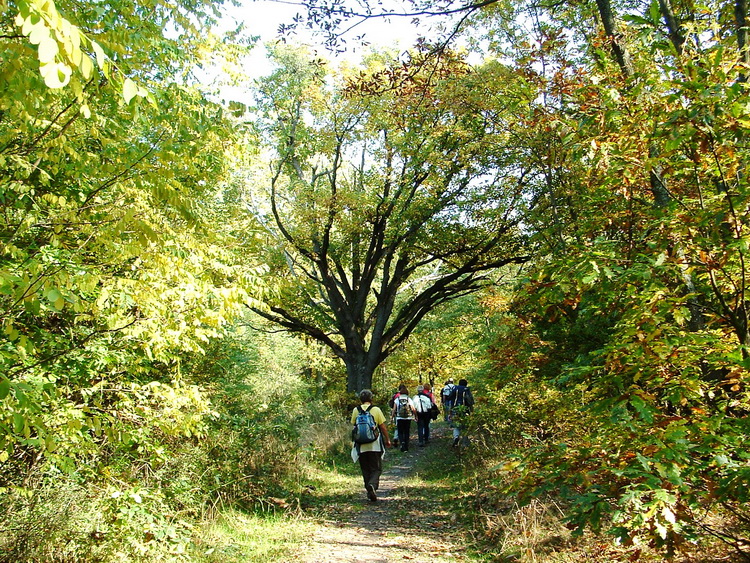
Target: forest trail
409,522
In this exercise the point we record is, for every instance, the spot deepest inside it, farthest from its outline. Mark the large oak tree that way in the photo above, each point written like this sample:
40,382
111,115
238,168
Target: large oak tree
388,197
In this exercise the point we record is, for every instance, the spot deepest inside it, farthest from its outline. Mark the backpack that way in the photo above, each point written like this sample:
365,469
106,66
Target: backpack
392,400
464,398
447,390
365,430
421,403
402,411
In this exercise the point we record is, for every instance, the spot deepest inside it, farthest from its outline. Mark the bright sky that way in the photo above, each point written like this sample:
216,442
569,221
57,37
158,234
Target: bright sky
263,18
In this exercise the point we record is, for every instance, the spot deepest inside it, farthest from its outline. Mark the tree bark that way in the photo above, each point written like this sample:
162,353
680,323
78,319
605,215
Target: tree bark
740,18
610,28
673,26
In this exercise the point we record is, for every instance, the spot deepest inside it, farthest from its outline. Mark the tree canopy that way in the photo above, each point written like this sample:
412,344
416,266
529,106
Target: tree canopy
390,194
108,272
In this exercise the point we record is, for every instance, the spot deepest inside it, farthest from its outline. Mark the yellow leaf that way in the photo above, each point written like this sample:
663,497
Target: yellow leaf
129,90
56,75
48,50
668,514
87,66
38,33
99,52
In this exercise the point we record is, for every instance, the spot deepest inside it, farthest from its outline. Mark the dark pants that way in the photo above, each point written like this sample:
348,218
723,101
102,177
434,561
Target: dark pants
423,427
447,405
372,466
403,427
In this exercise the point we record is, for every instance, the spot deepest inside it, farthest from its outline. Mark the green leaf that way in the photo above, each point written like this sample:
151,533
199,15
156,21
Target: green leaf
4,388
53,295
654,12
643,409
18,422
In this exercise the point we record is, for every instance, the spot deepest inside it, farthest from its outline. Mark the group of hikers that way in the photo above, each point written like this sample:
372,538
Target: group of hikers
370,432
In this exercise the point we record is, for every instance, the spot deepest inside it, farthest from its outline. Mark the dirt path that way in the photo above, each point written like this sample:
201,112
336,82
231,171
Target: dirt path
409,522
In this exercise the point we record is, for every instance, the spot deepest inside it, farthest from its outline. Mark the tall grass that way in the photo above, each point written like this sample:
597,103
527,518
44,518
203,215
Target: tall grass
238,537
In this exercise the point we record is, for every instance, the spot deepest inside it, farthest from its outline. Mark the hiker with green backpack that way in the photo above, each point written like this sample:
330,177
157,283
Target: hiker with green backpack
403,413
370,439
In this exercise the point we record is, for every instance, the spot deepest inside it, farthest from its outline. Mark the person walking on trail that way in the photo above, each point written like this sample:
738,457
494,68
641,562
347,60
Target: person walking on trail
445,398
435,409
423,406
391,403
462,404
370,455
428,392
403,413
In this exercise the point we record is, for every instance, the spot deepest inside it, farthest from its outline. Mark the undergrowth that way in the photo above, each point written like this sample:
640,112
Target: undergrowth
537,531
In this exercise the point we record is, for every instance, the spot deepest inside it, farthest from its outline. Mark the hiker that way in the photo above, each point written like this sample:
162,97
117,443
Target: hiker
462,403
428,392
445,398
370,456
391,402
435,412
403,413
423,406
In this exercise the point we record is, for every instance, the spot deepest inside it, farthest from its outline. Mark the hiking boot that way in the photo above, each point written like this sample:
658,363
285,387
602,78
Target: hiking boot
371,493
455,441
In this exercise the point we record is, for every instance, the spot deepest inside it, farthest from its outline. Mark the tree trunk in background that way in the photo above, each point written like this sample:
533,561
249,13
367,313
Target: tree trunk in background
740,18
608,21
359,372
659,189
673,26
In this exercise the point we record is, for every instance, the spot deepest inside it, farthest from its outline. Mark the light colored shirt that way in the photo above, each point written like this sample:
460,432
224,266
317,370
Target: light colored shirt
395,407
422,403
379,417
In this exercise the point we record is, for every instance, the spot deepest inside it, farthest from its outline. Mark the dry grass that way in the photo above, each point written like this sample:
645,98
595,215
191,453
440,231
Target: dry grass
528,533
535,533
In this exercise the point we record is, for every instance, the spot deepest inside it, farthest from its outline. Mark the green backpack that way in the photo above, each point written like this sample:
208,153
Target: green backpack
403,410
